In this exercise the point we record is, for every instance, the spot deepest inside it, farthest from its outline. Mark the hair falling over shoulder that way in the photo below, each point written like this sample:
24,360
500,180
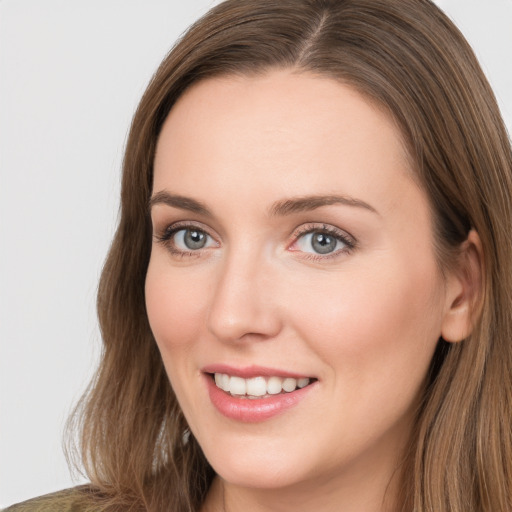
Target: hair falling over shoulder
406,56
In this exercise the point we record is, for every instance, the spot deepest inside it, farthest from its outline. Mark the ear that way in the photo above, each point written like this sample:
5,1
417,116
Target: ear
464,291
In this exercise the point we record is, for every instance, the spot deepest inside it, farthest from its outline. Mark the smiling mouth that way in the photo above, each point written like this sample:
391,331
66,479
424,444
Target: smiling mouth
259,387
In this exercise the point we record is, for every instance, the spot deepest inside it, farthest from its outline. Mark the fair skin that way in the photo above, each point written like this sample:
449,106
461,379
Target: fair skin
344,291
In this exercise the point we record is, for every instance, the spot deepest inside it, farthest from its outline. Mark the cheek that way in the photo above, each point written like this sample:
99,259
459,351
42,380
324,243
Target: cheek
373,325
376,336
175,306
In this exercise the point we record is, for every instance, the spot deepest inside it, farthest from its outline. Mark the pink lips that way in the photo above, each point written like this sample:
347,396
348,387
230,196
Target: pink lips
250,371
245,409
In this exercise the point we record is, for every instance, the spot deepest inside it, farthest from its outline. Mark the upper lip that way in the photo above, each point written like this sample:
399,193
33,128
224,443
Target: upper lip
247,372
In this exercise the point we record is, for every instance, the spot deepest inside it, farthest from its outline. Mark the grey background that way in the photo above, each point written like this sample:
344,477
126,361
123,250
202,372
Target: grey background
71,73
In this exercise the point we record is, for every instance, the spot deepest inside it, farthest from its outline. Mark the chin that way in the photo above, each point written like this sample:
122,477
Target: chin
247,475
263,467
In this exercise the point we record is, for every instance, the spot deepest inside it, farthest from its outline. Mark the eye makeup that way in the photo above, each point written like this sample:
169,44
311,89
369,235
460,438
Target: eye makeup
321,241
314,241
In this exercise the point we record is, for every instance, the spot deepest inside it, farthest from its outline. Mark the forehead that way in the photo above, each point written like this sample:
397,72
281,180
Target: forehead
282,133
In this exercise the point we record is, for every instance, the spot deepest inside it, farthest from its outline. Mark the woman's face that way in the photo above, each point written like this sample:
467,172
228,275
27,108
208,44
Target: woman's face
292,248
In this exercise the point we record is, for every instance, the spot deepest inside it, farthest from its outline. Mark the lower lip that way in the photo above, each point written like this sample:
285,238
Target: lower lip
252,411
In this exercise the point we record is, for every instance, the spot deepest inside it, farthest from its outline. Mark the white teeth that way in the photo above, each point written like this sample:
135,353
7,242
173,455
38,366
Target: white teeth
257,387
224,382
274,385
237,386
302,383
289,384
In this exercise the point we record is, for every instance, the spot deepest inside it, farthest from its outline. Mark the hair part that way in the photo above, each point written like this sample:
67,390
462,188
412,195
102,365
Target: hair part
407,57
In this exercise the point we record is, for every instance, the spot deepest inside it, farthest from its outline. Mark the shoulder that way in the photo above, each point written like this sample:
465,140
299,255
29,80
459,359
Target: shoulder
68,500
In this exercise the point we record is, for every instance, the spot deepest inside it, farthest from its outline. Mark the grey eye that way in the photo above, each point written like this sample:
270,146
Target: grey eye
194,239
191,239
319,242
323,243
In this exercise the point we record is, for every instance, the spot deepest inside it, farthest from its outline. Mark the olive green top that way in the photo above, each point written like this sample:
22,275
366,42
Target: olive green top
67,500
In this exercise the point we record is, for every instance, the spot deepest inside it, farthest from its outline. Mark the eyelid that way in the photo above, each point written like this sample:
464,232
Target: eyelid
168,229
165,235
340,234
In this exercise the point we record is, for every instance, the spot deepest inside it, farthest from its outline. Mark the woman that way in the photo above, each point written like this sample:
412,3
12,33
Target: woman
306,305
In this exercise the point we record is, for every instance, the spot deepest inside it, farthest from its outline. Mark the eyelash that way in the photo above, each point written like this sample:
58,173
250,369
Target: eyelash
338,234
165,238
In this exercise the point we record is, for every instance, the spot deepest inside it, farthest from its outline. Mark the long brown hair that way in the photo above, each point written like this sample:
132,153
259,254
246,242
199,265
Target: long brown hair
410,59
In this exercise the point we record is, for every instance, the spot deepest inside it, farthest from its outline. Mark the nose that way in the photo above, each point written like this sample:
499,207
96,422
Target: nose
243,306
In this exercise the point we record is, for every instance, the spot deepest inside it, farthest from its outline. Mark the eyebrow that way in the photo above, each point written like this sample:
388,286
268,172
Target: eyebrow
181,202
280,208
307,203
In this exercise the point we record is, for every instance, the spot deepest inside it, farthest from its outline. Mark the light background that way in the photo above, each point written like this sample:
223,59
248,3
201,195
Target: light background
71,73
